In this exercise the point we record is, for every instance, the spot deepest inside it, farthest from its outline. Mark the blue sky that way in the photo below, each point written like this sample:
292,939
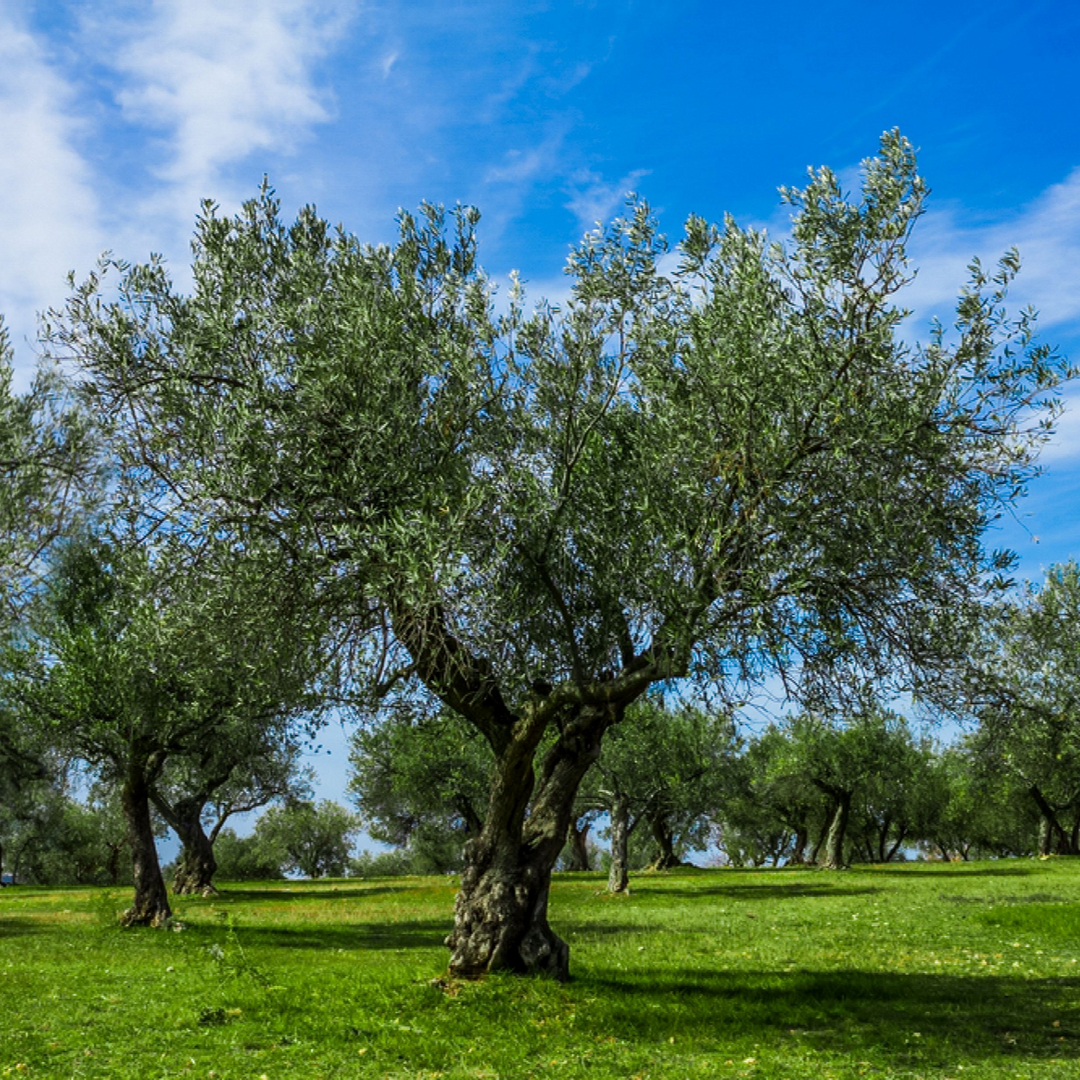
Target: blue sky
117,118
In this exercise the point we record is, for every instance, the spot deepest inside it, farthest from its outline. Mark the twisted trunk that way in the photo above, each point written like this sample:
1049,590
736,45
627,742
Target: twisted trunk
151,904
500,915
1050,828
798,847
578,857
196,864
665,857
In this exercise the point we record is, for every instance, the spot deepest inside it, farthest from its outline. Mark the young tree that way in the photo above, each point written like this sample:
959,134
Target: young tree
844,760
736,467
245,858
770,813
315,839
662,767
1026,691
893,808
420,783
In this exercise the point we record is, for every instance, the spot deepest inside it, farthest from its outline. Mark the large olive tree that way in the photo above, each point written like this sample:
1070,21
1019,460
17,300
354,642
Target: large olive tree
736,466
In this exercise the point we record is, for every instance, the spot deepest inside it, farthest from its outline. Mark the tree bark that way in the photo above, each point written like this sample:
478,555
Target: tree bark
665,857
891,853
196,864
834,842
578,857
1050,827
151,903
798,847
618,877
500,915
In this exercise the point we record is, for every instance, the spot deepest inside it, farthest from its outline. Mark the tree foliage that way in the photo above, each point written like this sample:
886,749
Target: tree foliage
315,839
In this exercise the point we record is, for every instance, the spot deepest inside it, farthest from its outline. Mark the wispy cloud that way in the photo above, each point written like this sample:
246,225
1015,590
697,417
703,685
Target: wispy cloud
219,80
48,211
1047,233
594,199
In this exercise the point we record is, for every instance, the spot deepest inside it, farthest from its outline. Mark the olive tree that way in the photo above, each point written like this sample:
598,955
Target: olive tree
420,783
1025,692
235,772
315,839
664,768
738,466
141,654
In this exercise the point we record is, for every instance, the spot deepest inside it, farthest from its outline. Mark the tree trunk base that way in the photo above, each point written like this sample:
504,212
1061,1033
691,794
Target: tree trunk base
146,915
190,888
500,924
665,862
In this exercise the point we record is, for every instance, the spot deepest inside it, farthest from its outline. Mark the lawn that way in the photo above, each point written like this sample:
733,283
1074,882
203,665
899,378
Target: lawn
898,971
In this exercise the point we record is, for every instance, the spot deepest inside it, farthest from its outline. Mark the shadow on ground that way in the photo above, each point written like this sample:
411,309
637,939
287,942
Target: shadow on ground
748,891
906,1020
15,927
305,894
415,934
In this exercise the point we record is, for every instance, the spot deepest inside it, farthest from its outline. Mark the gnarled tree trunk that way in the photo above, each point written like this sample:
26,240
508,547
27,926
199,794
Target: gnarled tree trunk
1050,828
196,864
500,915
151,904
665,857
578,857
833,858
798,847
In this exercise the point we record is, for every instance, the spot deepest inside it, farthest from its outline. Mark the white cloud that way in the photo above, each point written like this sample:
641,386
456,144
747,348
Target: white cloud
221,80
387,63
48,210
1064,445
593,199
523,166
1047,233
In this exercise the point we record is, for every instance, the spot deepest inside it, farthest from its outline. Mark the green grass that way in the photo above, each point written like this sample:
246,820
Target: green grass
911,971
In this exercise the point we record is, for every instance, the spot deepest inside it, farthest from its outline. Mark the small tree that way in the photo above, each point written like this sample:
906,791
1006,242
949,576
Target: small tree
316,840
244,858
663,769
845,760
421,783
771,812
1024,687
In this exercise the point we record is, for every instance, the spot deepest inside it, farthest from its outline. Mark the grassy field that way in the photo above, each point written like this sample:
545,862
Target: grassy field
900,971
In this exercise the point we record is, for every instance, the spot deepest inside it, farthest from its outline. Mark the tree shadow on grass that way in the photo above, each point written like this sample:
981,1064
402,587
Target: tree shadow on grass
16,927
758,892
895,1019
908,870
304,894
